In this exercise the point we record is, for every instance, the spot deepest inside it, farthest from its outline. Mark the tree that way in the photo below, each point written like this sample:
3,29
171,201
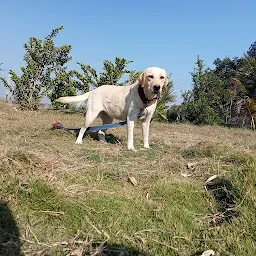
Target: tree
248,76
26,96
164,102
173,113
44,61
206,102
62,85
252,50
246,104
112,74
217,93
246,108
238,75
133,76
227,68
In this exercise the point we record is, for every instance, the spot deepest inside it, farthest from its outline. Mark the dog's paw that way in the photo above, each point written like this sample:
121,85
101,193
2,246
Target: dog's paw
132,149
147,147
101,136
78,142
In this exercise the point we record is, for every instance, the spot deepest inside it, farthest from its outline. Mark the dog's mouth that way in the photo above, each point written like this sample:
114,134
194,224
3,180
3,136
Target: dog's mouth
156,96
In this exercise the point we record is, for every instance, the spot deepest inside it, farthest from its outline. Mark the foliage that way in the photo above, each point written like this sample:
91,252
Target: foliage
173,113
45,74
44,61
62,85
133,76
252,50
217,93
164,102
246,107
248,76
227,68
112,74
27,97
206,102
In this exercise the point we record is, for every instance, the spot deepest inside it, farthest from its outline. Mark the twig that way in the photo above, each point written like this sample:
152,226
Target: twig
31,242
33,234
53,213
98,231
164,244
149,230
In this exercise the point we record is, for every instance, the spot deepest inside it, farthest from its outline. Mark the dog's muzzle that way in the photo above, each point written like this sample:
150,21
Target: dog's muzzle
156,89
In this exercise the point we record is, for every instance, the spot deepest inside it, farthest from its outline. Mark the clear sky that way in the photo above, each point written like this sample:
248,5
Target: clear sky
169,34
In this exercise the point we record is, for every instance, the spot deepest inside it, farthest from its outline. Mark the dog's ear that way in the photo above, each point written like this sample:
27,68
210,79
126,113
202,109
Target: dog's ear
166,80
142,79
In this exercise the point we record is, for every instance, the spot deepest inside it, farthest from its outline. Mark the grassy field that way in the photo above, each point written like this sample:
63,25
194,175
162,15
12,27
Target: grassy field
58,198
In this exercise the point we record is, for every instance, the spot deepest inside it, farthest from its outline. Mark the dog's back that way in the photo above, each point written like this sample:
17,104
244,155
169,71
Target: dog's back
111,99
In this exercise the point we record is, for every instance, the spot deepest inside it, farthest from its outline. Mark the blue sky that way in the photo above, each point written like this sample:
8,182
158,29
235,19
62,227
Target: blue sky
168,34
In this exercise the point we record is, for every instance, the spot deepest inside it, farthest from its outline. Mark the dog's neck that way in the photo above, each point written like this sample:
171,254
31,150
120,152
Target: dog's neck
142,95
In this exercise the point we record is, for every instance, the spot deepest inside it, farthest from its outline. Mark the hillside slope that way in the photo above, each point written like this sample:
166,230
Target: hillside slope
58,198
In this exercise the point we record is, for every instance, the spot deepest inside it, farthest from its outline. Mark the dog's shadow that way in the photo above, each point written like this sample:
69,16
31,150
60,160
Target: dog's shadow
110,138
9,232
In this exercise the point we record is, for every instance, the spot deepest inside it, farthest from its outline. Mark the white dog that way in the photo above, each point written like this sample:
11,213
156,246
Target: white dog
129,103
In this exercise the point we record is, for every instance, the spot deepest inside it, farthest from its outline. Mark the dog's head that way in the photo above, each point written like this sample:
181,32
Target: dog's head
153,81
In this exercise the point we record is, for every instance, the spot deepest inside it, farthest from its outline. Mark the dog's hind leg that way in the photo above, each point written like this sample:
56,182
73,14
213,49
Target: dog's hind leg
90,116
106,119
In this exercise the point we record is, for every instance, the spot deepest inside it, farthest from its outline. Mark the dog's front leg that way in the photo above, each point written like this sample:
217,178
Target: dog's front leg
130,127
145,132
133,114
146,124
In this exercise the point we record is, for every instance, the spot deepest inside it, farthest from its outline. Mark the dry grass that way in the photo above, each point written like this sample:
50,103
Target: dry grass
65,199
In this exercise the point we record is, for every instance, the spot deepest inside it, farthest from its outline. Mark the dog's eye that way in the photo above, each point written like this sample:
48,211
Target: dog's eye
161,77
150,76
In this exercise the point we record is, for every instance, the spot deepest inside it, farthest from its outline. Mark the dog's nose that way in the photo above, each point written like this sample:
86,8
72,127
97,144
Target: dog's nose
156,88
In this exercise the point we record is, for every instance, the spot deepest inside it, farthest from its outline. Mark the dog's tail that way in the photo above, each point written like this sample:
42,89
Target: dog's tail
73,99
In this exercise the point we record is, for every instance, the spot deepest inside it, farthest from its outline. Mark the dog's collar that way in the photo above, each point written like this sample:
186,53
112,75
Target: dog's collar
143,96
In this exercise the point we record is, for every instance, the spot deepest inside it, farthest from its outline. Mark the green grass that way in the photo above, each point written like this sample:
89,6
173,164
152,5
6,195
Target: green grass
58,198
148,223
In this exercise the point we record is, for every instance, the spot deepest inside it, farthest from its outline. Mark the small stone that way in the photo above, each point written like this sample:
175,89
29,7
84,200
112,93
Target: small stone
191,166
208,253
